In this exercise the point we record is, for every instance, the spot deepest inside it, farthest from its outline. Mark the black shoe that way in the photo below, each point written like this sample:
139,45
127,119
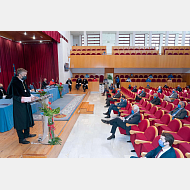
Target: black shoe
106,106
106,113
105,121
108,116
24,141
132,150
129,141
111,137
30,135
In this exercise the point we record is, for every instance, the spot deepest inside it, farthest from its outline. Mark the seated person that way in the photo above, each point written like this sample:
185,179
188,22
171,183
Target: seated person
169,80
44,83
128,80
148,86
170,76
159,89
85,84
116,96
133,118
52,82
150,76
116,106
95,79
105,82
78,83
31,87
129,87
2,91
113,90
172,97
142,94
179,89
148,80
179,112
155,100
164,150
86,76
69,82
165,86
134,89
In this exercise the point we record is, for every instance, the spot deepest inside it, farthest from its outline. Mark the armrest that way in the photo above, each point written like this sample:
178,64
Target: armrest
123,113
145,114
135,132
187,154
186,125
143,154
178,142
173,98
128,125
151,119
168,131
137,141
158,124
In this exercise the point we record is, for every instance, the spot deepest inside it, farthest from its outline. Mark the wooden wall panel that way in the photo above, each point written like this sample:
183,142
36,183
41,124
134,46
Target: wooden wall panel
130,61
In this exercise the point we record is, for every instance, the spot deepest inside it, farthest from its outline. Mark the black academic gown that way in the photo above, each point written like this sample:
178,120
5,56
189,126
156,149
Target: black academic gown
22,112
44,84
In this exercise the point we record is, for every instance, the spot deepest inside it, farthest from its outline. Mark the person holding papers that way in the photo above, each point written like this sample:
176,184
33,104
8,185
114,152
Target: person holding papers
22,111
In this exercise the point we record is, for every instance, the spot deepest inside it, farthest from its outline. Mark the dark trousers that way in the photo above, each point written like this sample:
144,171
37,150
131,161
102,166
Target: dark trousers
108,94
137,98
112,107
22,135
110,99
78,86
117,85
134,157
70,87
117,122
85,87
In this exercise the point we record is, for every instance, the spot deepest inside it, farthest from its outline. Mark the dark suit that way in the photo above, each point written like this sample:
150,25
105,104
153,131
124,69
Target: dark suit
155,101
180,115
165,86
160,90
134,90
168,154
131,119
69,82
85,84
44,84
78,83
114,107
179,89
2,93
117,95
142,94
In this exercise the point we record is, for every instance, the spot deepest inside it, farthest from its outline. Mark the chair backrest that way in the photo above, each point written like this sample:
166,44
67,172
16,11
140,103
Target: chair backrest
144,104
144,124
153,110
158,114
166,118
148,106
74,80
151,132
91,76
187,107
176,101
163,104
142,117
155,143
175,125
184,132
141,101
76,76
178,153
169,107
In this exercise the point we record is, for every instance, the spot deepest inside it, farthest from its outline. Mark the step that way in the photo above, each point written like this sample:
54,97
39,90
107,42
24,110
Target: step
90,109
84,105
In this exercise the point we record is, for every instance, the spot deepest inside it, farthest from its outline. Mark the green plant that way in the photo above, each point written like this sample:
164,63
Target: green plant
109,77
41,93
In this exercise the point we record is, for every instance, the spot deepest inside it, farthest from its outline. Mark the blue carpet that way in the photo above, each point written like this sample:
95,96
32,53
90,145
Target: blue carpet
68,104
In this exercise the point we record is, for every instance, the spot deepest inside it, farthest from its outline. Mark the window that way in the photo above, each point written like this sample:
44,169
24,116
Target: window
93,39
139,39
124,39
187,40
179,39
155,40
82,40
171,40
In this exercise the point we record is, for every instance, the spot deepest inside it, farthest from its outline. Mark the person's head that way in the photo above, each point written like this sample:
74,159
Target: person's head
1,86
142,90
118,90
129,85
22,73
135,109
178,85
150,74
166,140
147,84
45,79
135,86
181,104
94,77
111,84
173,90
52,80
123,97
128,77
159,87
69,78
155,95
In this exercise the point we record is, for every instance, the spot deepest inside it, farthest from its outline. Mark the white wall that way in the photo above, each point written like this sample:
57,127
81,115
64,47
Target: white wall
146,70
88,70
75,40
63,54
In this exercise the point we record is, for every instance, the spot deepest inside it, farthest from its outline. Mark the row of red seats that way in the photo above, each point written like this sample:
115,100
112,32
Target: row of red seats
145,137
152,80
146,76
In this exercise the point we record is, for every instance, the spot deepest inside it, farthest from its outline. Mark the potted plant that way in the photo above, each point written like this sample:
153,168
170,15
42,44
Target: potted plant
60,88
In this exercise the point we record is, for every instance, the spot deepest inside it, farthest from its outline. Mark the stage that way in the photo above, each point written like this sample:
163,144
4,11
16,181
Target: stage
11,148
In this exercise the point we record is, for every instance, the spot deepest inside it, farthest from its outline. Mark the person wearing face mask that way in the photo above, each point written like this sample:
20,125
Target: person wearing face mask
165,86
44,84
22,111
52,82
95,79
142,94
179,89
85,84
159,89
117,81
179,112
133,118
134,89
164,150
148,86
172,97
116,106
114,98
155,100
2,91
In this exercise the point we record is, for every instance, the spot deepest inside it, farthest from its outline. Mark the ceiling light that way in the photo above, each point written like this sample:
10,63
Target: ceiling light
40,41
20,42
25,33
34,37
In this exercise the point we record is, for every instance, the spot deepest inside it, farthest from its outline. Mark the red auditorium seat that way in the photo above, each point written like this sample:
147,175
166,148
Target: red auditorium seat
149,135
88,54
82,76
122,80
145,76
90,80
78,53
159,76
116,54
74,80
101,78
158,114
162,105
82,53
127,54
140,76
173,80
174,76
173,125
168,108
158,80
132,80
72,54
91,76
153,80
164,120
143,80
155,76
175,102
136,76
126,76
152,111
96,76
98,53
143,105
179,76
147,108
138,80
185,149
165,76
76,76
186,120
163,80
122,76
178,80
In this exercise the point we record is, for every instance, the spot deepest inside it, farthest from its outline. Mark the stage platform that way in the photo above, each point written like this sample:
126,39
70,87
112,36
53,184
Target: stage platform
11,148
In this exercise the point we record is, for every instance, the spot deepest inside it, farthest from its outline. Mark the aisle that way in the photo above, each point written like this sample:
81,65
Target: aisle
88,138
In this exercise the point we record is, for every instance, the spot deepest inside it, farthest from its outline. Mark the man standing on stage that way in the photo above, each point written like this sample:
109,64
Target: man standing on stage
69,82
22,111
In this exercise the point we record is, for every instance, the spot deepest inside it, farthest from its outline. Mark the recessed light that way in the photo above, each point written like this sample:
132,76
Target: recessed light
25,33
34,37
20,42
40,41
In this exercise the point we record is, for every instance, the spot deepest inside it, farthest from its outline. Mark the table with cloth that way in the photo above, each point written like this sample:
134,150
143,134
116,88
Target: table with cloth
6,107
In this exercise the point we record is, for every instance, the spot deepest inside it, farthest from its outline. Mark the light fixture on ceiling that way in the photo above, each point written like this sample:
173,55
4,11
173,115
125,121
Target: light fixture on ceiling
20,42
34,37
40,41
25,33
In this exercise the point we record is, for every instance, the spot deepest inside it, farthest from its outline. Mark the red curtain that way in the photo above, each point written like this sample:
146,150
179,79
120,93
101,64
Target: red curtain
40,60
10,53
53,34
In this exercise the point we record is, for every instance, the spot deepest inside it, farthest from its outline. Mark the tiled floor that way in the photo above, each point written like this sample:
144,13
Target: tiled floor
88,138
